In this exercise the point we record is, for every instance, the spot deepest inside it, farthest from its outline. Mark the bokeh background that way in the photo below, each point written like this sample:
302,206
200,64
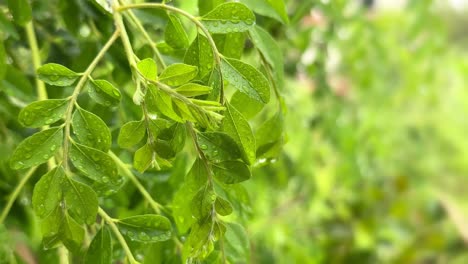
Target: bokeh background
375,169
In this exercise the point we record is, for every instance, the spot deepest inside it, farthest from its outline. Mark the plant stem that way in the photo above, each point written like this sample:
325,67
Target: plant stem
36,60
154,205
77,91
216,54
117,234
15,193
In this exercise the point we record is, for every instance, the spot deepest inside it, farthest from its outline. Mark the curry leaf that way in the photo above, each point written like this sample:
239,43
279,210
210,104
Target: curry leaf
148,68
232,171
57,74
48,192
131,134
178,74
146,228
43,112
91,130
100,249
229,17
103,92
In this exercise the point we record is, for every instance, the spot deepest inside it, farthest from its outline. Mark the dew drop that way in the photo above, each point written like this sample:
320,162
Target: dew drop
105,179
204,146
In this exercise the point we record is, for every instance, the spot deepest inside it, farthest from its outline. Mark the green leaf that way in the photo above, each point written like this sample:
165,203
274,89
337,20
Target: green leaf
178,73
246,79
91,130
247,106
175,35
193,89
270,50
37,148
48,192
3,60
236,126
205,6
269,136
60,227
81,201
230,45
271,8
103,5
7,28
223,207
95,164
199,54
181,204
171,141
21,11
231,172
218,146
144,157
229,17
43,112
131,134
146,228
202,203
100,249
56,74
163,102
237,246
104,93
148,69
199,243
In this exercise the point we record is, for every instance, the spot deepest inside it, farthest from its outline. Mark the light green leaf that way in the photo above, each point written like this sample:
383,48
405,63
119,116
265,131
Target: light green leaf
21,11
144,158
146,228
163,102
131,134
235,125
91,130
60,227
95,164
202,203
223,207
229,17
193,89
48,192
100,249
230,45
271,8
175,35
37,148
103,92
199,54
56,74
178,73
148,69
237,245
246,79
270,50
81,201
218,146
199,243
247,106
43,112
231,172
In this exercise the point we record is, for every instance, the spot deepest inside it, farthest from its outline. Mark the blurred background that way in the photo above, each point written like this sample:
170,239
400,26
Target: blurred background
375,168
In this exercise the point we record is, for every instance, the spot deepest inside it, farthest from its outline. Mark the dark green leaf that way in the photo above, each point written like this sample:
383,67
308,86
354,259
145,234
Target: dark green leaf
103,5
95,164
100,249
199,54
178,73
270,51
230,172
146,228
81,200
193,89
91,130
103,92
231,45
37,148
171,141
131,134
21,11
148,68
56,74
271,8
175,35
235,125
60,227
3,60
218,146
43,112
48,192
246,79
202,203
223,207
229,17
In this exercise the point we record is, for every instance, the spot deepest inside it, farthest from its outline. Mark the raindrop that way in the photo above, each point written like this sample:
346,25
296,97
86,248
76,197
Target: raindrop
204,146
